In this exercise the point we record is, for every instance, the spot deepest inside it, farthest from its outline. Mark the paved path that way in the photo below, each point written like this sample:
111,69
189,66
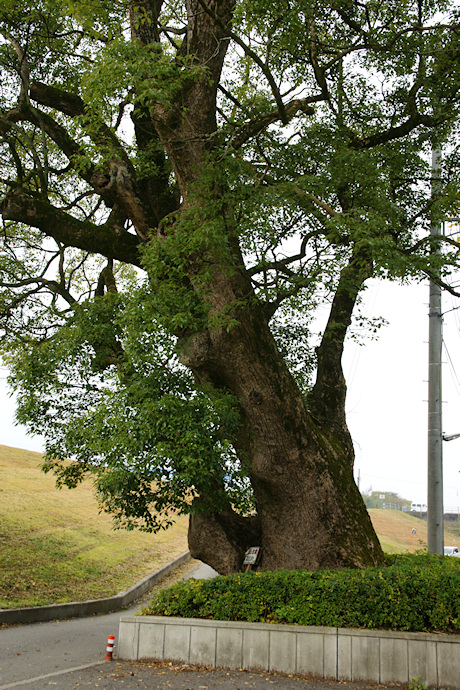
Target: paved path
31,651
201,572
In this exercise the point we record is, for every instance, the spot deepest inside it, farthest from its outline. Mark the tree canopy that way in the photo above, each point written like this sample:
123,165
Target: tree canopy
184,185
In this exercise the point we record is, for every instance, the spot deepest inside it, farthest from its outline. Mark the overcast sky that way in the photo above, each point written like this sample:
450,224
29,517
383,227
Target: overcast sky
388,390
387,396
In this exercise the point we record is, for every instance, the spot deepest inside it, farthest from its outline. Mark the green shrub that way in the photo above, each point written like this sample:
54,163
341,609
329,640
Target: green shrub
415,593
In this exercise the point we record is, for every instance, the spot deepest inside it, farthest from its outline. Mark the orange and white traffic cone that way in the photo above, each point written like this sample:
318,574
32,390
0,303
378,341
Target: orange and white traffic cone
110,643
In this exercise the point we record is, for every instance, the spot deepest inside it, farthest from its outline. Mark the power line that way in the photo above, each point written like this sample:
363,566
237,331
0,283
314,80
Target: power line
392,479
450,310
454,374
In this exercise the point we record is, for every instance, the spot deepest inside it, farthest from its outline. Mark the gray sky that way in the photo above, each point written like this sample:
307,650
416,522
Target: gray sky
388,390
387,393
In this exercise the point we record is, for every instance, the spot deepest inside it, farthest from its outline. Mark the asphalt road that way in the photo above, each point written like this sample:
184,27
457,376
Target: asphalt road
70,654
33,651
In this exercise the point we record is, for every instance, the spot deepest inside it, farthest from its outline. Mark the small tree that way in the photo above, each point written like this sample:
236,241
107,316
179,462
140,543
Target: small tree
382,499
184,184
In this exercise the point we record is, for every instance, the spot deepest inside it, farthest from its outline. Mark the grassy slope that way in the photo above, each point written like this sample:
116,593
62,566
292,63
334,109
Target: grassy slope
55,546
394,530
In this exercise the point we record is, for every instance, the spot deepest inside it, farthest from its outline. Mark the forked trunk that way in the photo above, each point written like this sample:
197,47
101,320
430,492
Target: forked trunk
309,511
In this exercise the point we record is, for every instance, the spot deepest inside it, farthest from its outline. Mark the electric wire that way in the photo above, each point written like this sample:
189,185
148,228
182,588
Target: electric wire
391,479
369,309
453,372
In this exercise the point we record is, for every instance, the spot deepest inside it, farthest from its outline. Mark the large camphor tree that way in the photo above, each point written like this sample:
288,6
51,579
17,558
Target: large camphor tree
185,185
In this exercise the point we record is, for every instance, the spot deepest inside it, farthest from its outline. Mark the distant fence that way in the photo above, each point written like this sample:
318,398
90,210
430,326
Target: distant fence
452,516
396,506
449,515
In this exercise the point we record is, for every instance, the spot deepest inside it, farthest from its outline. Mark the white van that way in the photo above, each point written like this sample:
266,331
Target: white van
451,551
418,508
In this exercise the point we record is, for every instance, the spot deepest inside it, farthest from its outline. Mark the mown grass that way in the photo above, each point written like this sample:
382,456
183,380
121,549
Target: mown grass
394,529
56,547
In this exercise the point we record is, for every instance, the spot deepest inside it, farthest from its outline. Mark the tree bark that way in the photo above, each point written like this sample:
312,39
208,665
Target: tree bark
309,510
109,239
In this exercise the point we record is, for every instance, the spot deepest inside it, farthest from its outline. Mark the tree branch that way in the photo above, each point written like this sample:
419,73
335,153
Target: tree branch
117,186
24,69
74,106
53,129
143,17
50,285
260,123
316,201
106,280
107,239
250,53
281,264
327,399
430,240
442,284
319,73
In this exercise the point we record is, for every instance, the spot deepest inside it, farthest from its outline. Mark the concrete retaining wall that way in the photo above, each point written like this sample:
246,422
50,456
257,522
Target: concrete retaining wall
74,609
373,656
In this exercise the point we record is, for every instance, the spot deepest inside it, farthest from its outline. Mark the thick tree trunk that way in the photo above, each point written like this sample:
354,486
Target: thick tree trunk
221,539
309,511
300,461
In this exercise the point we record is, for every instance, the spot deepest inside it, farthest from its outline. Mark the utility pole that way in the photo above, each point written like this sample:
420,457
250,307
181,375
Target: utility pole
435,481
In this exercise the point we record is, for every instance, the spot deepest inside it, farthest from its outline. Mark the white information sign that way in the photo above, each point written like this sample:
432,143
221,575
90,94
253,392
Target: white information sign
251,555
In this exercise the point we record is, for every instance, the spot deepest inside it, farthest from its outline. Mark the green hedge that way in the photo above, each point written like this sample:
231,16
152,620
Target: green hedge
418,593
